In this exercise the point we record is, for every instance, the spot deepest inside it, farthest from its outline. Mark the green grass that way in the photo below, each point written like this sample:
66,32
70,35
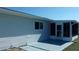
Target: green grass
73,47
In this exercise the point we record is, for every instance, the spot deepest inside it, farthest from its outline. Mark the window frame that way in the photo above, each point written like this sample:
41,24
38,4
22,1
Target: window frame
39,25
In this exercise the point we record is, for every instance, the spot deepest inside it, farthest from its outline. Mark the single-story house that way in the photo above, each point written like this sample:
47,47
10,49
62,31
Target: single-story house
18,28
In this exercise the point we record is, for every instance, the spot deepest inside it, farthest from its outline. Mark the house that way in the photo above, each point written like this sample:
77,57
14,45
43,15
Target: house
18,28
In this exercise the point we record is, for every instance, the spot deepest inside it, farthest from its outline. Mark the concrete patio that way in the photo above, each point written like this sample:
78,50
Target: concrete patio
47,46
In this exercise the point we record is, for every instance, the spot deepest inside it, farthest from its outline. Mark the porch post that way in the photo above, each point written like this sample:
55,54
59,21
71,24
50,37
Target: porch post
62,30
56,29
78,29
70,31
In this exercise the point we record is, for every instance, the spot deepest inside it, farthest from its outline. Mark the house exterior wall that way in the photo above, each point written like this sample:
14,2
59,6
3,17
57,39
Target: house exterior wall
17,31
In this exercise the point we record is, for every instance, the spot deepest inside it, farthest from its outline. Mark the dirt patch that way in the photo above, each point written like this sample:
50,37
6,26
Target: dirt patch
14,49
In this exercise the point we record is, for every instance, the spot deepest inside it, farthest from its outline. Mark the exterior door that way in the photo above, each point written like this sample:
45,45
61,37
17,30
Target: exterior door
59,30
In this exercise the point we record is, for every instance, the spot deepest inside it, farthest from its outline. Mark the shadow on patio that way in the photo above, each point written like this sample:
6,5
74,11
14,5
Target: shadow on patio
54,42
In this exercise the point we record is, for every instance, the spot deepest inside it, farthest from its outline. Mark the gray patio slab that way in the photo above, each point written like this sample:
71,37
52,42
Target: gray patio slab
39,46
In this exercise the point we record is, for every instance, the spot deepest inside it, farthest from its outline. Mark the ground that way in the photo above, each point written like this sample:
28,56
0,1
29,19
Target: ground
73,47
14,49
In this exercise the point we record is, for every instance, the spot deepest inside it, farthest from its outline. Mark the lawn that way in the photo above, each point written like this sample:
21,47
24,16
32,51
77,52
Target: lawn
73,47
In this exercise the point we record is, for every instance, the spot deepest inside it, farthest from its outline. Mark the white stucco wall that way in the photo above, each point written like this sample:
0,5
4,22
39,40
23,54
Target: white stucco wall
16,31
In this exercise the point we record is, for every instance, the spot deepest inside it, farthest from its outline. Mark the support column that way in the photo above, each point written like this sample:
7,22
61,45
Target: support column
70,31
56,30
62,31
78,29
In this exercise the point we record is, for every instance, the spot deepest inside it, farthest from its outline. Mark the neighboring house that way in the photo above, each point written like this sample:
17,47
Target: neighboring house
18,28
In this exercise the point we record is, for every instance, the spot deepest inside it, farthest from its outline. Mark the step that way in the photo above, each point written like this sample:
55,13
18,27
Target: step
28,48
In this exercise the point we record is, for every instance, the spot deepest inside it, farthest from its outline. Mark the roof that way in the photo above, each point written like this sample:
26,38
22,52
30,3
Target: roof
22,14
26,15
64,21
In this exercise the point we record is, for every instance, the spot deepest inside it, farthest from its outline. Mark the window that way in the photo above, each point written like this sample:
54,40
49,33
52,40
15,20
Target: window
38,25
59,27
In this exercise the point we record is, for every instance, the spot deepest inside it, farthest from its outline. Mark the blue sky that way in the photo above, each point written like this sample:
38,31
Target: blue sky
55,13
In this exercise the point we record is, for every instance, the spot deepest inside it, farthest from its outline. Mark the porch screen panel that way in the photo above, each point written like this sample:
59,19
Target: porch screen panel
52,29
66,29
74,29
